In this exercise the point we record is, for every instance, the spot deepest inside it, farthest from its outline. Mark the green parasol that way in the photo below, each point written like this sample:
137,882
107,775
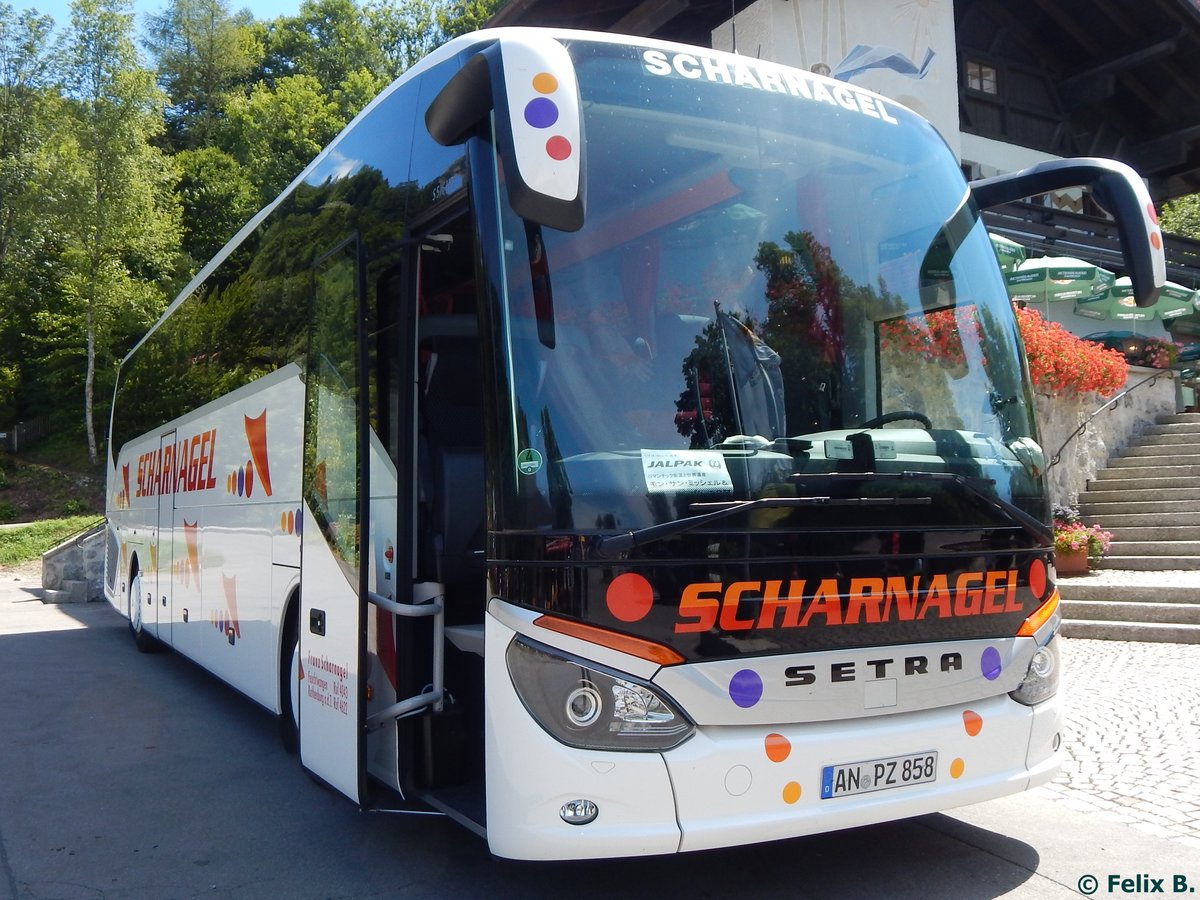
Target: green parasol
1009,253
1117,303
1048,279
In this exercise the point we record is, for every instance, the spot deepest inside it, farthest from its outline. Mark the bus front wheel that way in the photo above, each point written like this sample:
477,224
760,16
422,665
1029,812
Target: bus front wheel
289,683
142,639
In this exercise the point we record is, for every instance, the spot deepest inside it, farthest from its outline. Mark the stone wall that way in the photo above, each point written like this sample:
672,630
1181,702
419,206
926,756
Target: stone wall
1110,432
74,570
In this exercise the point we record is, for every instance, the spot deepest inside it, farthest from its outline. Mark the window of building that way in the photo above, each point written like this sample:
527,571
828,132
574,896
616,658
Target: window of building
981,77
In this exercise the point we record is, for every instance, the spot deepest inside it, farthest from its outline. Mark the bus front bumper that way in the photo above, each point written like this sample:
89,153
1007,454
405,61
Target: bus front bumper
732,785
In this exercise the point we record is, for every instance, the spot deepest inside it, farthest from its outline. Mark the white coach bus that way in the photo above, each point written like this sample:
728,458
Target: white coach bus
620,447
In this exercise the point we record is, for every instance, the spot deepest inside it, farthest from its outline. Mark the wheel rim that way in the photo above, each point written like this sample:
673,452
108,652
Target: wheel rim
135,603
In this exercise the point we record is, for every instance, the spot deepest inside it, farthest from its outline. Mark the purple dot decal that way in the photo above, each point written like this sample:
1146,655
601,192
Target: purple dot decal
541,112
745,688
299,519
241,482
990,664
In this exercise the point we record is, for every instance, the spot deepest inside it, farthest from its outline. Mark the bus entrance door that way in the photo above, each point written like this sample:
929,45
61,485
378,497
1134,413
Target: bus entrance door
158,620
332,601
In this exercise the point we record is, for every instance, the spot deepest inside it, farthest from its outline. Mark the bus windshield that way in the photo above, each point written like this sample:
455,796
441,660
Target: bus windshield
781,290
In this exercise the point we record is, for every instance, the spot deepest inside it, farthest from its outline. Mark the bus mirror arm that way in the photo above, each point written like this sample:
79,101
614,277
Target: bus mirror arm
463,104
1117,188
538,124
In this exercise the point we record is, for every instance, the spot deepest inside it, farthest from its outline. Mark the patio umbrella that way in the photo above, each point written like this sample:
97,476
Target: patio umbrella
1052,278
1009,253
1117,303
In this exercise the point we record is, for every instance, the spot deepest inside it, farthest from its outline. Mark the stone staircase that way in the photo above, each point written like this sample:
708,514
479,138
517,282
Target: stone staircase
73,572
1148,589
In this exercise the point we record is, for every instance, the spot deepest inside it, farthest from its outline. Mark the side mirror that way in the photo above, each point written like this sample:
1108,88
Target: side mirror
529,83
1117,188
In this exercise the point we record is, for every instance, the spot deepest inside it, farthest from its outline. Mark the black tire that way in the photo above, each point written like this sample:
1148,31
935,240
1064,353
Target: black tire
289,681
142,639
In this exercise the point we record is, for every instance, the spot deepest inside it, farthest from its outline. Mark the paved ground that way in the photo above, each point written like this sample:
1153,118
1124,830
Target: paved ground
1133,744
1133,724
110,788
1133,735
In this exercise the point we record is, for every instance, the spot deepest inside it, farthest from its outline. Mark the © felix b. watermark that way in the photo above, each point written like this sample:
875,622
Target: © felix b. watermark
1135,884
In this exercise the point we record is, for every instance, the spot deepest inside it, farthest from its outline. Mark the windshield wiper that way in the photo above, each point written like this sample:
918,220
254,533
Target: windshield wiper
1035,527
611,546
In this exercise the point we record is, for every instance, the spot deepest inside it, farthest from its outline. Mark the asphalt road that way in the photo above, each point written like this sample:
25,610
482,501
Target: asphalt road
132,776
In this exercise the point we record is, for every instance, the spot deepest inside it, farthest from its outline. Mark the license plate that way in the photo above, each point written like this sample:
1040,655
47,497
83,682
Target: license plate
878,774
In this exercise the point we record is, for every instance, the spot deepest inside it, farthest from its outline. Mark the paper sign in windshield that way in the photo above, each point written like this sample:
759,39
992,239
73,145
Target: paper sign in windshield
685,470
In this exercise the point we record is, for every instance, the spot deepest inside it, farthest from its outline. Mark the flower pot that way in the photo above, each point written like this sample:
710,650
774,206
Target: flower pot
1069,563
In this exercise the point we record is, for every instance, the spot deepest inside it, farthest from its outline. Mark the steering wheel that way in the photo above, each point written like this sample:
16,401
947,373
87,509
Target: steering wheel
898,416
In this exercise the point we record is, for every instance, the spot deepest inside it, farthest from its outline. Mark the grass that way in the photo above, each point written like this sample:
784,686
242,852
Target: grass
27,542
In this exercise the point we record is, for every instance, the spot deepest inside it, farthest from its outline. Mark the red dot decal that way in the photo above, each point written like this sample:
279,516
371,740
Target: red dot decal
1037,578
629,597
1152,213
972,722
558,147
249,477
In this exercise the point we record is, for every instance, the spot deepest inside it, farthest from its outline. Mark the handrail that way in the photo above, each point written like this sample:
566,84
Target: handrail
430,605
1057,457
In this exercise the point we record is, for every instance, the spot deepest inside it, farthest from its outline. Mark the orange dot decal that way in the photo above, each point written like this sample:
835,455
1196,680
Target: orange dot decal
973,722
956,768
791,792
778,747
1156,240
291,521
283,522
629,597
545,83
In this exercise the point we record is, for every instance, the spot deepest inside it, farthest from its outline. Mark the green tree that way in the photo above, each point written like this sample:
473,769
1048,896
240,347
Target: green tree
1182,216
202,54
218,197
276,132
408,30
117,212
27,98
25,74
405,30
327,40
462,18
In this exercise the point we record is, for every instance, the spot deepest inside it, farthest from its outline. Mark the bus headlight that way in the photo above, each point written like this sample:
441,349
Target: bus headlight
586,706
1041,680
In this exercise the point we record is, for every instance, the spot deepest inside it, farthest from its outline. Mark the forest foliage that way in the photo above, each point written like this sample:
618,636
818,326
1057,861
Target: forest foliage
131,151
